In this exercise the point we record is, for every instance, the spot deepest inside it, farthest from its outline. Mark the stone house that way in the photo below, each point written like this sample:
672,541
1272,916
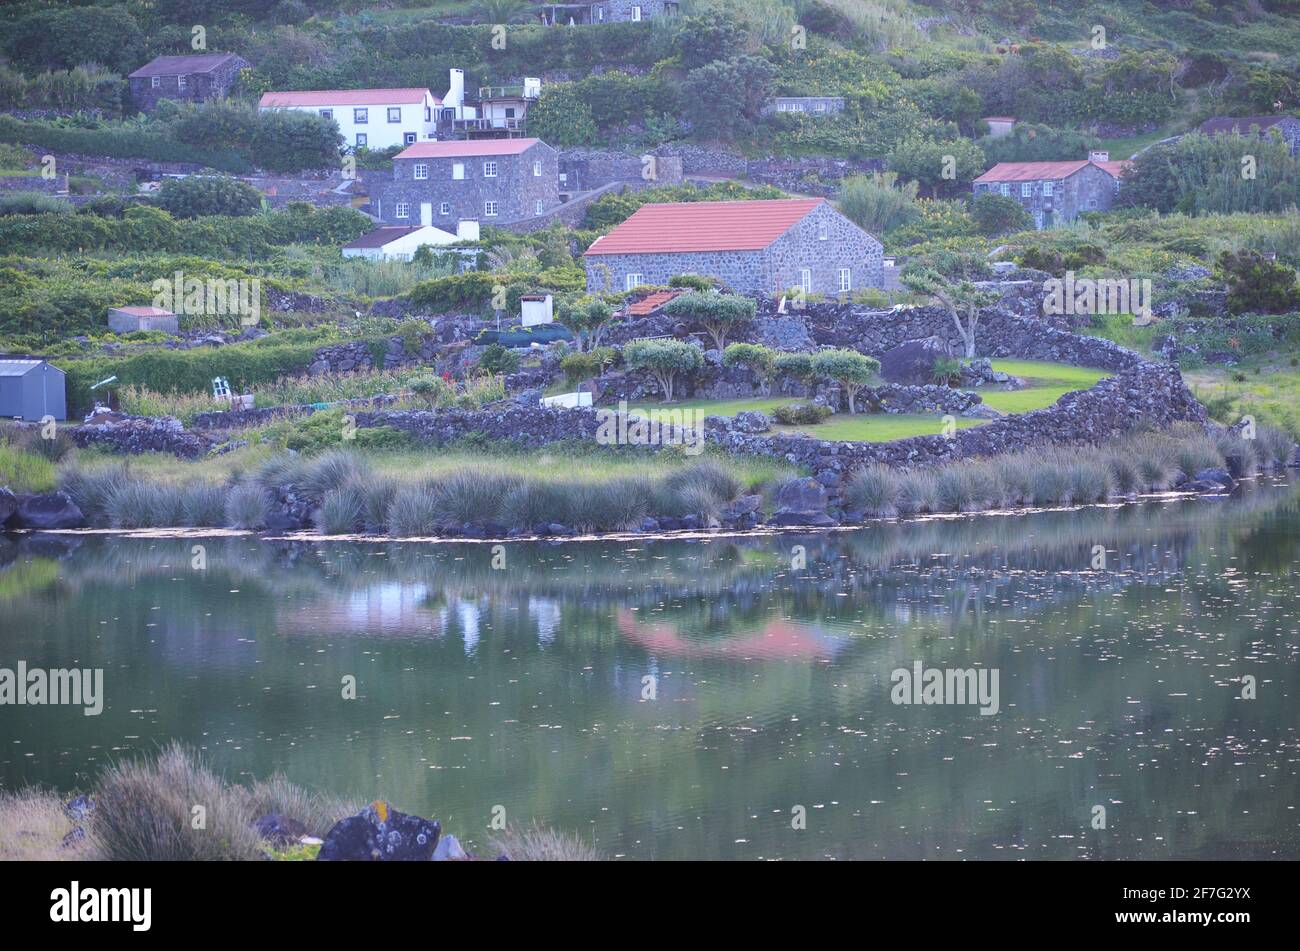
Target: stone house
125,320
196,78
805,105
496,181
1055,192
755,247
367,118
580,12
1286,126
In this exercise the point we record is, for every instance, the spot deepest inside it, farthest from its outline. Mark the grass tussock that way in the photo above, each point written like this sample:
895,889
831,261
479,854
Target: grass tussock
538,844
873,490
247,506
33,825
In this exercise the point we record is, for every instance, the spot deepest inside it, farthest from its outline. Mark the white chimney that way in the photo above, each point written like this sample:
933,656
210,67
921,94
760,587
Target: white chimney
532,88
467,229
1098,155
455,89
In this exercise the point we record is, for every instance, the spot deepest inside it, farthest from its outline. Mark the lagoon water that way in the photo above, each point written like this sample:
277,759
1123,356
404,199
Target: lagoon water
770,659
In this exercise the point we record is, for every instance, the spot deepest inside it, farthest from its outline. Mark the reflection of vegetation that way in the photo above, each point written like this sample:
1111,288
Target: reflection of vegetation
25,578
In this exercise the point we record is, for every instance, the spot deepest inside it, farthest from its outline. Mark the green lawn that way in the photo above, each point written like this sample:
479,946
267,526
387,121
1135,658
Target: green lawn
1045,384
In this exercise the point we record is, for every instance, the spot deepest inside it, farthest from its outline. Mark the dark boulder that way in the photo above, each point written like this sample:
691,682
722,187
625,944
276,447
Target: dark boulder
802,502
379,833
51,510
751,422
913,362
280,830
8,504
1215,477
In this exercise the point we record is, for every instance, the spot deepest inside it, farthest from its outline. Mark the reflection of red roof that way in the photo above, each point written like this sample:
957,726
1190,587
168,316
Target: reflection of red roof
704,226
652,302
467,148
778,640
344,97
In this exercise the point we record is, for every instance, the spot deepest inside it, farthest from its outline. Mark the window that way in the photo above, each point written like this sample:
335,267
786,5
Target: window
402,210
361,139
1047,189
327,113
155,81
489,169
394,113
797,107
541,206
408,138
444,208
510,112
489,209
846,279
537,169
805,279
361,116
457,170
1027,190
820,107
634,280
636,14
428,114
421,170
1006,189
822,232
182,82
1092,202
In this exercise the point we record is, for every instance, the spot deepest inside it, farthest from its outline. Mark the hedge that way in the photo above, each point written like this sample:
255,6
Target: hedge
118,143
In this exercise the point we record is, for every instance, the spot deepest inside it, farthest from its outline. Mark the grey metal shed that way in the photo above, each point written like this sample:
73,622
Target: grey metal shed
31,389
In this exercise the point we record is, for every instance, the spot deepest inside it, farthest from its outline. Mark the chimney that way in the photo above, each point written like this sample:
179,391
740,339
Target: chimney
455,88
1098,155
467,229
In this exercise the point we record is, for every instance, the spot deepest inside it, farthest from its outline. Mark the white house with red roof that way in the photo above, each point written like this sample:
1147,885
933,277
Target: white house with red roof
754,247
1055,192
367,118
499,182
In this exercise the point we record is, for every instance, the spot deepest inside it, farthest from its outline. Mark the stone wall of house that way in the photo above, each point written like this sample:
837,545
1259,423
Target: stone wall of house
515,188
199,87
1091,188
585,169
743,271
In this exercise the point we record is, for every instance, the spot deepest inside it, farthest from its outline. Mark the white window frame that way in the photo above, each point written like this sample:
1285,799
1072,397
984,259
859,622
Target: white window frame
540,207
408,138
326,113
457,171
846,280
489,209
420,171
636,13
444,208
182,82
361,116
402,210
155,82
489,169
823,232
537,169
1026,189
1005,189
1047,189
394,109
633,280
363,140
805,279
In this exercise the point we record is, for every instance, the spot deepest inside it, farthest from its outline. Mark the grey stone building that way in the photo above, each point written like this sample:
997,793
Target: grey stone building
495,181
755,247
805,105
1055,192
1286,126
196,78
579,12
584,169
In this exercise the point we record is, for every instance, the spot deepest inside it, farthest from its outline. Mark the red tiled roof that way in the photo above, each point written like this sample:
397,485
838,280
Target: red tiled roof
467,148
1031,171
177,65
135,311
1115,168
652,302
382,236
344,97
704,226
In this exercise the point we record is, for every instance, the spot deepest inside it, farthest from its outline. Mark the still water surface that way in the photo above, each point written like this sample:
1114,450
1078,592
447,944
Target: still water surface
524,687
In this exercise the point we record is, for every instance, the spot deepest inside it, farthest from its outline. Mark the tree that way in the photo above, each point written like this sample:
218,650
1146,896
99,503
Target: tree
850,369
1257,285
999,214
562,117
877,203
725,98
937,164
200,195
960,296
1033,142
755,357
665,359
716,313
1221,174
588,316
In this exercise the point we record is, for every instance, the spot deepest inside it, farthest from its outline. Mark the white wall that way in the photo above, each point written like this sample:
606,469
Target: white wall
379,132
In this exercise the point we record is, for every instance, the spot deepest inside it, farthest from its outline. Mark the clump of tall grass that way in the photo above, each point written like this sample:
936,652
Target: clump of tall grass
953,488
1015,478
1049,483
136,504
143,812
24,471
247,506
91,487
317,811
33,823
468,495
985,485
1195,454
1124,475
621,504
341,511
332,470
1274,446
917,492
413,511
285,468
376,496
1089,480
537,844
873,490
709,475
1238,453
203,505
536,502
1155,468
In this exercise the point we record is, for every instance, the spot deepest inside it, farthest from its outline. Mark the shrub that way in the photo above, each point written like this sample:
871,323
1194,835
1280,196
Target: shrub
953,489
801,414
1275,446
877,203
497,359
1089,481
999,214
199,195
797,365
469,495
873,490
247,506
341,511
665,359
143,813
850,369
752,356
917,492
32,203
412,511
137,504
718,314
1257,285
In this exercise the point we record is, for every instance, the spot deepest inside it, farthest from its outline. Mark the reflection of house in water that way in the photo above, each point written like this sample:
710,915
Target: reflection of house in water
390,607
545,613
777,639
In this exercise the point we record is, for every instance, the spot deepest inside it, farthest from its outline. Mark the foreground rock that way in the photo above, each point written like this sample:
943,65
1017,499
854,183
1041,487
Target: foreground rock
51,510
379,833
280,830
802,502
913,362
8,504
